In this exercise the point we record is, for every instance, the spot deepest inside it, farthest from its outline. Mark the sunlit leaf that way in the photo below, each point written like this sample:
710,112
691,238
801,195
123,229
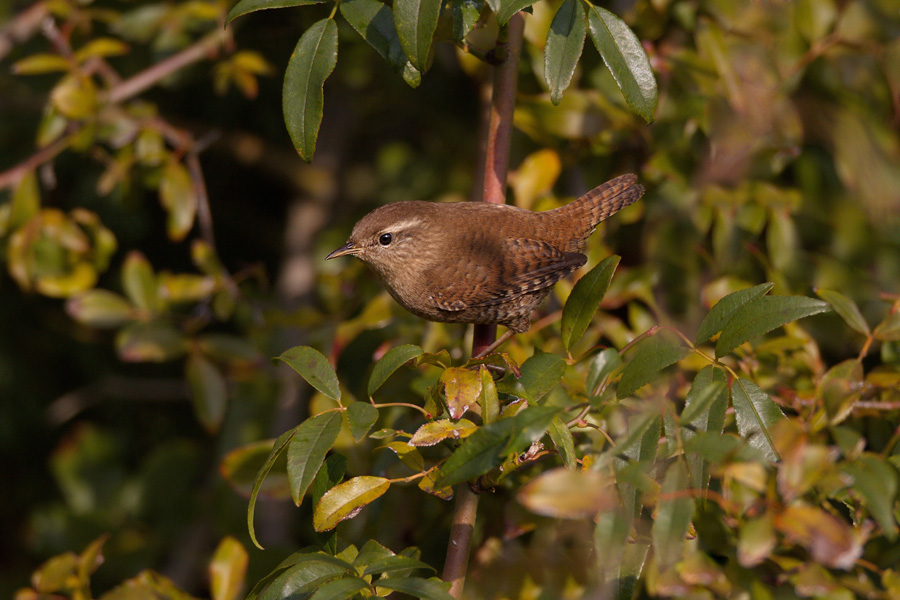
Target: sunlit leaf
102,47
100,308
314,368
535,176
26,201
437,431
346,500
227,569
565,41
462,387
764,314
649,357
541,373
490,402
392,360
584,300
310,64
179,197
248,6
37,64
307,449
722,311
75,96
756,415
567,494
626,60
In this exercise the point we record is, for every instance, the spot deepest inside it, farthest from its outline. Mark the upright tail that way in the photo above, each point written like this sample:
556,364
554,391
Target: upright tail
604,200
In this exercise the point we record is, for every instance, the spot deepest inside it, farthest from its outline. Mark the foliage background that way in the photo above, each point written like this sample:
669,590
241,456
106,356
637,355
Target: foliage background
774,156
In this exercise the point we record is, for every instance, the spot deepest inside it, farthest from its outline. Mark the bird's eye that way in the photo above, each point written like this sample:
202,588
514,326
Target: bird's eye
385,239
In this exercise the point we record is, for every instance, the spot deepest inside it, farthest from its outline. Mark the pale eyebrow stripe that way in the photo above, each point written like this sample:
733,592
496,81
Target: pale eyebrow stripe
404,224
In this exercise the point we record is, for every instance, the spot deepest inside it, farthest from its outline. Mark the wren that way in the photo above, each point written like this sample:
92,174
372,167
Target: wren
474,262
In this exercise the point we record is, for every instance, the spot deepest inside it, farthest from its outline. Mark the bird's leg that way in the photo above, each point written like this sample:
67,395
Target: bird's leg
497,343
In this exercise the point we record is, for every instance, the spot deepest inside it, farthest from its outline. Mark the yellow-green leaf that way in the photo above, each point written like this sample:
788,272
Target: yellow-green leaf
227,569
179,197
346,500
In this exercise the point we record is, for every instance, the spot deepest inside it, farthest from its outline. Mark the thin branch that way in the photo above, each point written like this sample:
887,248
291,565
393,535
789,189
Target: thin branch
13,175
464,513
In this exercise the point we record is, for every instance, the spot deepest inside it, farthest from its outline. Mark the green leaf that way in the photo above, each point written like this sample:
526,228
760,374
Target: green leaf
756,415
305,573
374,21
209,393
610,536
416,21
846,309
178,196
510,7
541,373
26,201
585,299
889,329
602,366
310,64
347,499
139,282
248,6
478,454
530,425
673,516
100,308
565,41
390,362
314,368
340,589
876,481
704,410
361,416
722,311
227,569
465,13
490,402
240,466
428,589
280,446
330,474
306,452
764,314
564,442
390,564
150,342
626,60
651,355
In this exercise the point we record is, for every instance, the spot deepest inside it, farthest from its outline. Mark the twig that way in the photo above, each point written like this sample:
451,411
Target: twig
499,132
13,175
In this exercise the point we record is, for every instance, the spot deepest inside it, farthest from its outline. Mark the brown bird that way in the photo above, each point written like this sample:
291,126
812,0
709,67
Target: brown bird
474,262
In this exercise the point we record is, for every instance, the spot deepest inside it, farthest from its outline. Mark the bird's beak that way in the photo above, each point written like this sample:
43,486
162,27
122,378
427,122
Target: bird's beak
348,248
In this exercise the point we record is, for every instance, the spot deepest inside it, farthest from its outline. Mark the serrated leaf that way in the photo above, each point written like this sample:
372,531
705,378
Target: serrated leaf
248,6
427,589
416,21
374,21
541,373
564,442
756,415
846,309
650,356
764,314
307,450
100,308
465,14
625,58
390,362
722,311
209,392
280,446
478,454
310,64
340,589
361,416
585,299
390,564
462,387
435,432
314,368
346,500
565,41
510,7
673,516
566,494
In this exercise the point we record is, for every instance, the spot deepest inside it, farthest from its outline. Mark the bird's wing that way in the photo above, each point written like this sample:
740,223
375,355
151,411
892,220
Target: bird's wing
513,268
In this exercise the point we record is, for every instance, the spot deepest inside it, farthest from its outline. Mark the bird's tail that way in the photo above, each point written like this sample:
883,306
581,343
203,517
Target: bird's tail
603,201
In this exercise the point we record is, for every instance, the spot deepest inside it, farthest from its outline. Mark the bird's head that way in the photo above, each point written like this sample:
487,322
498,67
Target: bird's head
392,238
